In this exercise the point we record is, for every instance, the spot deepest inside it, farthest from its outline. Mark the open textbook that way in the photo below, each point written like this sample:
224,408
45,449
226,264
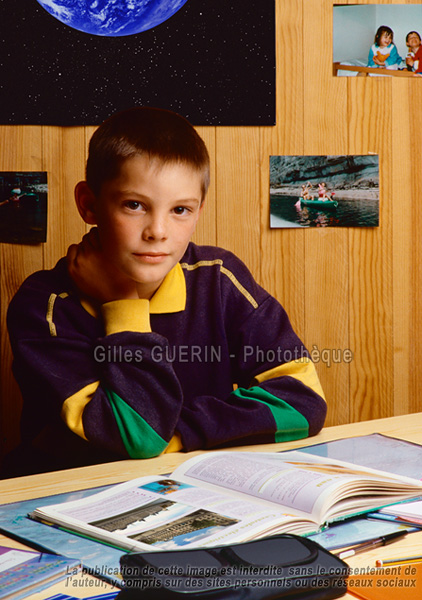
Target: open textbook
226,497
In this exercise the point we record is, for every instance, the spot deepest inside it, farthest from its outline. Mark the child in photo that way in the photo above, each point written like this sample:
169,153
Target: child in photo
414,56
383,52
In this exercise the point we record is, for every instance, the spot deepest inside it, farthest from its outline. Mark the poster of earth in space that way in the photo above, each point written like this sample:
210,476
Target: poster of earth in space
75,62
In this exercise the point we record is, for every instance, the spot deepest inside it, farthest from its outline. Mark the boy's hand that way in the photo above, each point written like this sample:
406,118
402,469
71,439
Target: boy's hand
93,274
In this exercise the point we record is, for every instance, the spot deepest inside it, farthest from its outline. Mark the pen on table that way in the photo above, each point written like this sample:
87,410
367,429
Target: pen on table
398,561
375,543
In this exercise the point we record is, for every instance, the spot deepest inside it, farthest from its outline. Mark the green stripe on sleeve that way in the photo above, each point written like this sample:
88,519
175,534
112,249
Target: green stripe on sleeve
139,438
290,424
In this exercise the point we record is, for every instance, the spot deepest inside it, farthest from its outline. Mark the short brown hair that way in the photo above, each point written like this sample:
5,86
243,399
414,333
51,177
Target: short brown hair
156,132
410,33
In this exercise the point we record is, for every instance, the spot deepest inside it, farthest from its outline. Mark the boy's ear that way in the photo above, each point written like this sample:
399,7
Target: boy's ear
86,202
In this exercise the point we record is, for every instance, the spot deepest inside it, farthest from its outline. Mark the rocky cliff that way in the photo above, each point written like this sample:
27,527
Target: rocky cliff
339,172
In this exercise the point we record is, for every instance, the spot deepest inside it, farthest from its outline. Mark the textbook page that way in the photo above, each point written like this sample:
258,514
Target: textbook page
314,487
407,510
162,513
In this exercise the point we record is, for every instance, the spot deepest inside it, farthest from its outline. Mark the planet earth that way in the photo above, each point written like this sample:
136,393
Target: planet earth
112,17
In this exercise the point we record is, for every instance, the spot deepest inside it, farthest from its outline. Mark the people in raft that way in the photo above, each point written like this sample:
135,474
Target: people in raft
323,193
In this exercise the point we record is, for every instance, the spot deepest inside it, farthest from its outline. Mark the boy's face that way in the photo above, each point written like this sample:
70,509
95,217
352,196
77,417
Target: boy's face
146,217
385,39
413,41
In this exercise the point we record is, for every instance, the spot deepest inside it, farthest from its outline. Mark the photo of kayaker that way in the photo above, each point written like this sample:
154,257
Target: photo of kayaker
325,194
23,207
15,195
306,191
324,191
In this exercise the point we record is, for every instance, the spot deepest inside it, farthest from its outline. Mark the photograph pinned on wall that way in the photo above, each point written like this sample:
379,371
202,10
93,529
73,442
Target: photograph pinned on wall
324,191
23,207
377,40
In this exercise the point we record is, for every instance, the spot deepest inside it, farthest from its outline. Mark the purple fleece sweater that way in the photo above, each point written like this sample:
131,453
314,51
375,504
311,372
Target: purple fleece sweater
211,360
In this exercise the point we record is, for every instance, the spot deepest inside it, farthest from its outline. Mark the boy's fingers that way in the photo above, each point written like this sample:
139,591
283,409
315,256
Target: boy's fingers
92,239
85,240
72,259
72,252
93,232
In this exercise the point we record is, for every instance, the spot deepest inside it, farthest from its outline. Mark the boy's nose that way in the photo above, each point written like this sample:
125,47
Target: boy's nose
155,229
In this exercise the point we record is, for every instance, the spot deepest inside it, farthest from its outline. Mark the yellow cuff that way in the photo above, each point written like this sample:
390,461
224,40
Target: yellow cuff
126,315
175,444
302,369
74,406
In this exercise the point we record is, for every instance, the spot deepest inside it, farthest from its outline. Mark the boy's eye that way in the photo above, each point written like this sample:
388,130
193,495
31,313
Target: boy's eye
180,210
133,204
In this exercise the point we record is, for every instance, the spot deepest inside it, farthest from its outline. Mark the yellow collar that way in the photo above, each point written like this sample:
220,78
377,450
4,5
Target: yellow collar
169,298
171,295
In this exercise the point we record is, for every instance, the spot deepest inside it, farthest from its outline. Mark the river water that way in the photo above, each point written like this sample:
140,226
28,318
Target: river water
351,212
25,221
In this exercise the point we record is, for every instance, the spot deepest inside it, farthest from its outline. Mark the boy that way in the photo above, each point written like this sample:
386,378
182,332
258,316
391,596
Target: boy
130,347
414,56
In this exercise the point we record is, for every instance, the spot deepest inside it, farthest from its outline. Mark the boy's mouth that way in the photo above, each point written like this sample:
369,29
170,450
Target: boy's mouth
151,257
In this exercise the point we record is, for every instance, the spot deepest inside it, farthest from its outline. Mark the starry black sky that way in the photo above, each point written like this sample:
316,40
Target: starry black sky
213,62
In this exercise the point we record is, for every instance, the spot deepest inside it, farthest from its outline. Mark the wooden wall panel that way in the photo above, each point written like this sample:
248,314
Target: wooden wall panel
344,289
413,214
401,244
64,153
371,327
326,249
284,250
238,188
20,150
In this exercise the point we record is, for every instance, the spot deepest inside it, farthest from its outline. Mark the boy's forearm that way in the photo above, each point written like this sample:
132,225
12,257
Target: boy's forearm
279,396
282,403
253,415
116,398
101,385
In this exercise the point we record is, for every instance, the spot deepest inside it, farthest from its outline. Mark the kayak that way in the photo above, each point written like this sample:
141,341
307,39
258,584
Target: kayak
319,203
